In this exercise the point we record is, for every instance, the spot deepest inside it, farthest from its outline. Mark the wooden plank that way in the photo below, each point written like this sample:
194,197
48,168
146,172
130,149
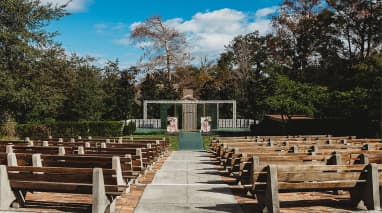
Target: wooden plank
317,186
57,170
52,187
57,177
324,168
318,176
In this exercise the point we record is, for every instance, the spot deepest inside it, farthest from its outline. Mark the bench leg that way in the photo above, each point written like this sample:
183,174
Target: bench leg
20,199
116,164
6,194
269,200
336,160
371,191
272,190
260,197
368,192
100,201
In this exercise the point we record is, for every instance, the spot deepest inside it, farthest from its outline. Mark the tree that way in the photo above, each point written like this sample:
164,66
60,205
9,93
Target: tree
111,77
25,46
155,86
23,31
164,47
85,95
119,85
297,35
360,95
125,96
247,58
287,97
251,53
360,26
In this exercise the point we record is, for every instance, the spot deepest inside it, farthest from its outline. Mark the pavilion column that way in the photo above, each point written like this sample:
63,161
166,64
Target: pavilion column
144,110
217,116
234,114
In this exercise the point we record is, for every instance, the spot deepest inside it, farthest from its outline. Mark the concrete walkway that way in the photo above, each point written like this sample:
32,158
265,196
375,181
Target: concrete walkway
187,182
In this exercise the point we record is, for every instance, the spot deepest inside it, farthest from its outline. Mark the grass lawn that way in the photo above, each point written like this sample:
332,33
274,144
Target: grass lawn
174,139
207,141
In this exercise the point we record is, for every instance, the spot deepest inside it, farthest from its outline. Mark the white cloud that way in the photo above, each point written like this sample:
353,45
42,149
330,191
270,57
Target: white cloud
120,26
264,26
111,27
144,44
127,42
208,32
134,25
266,11
123,41
101,27
73,6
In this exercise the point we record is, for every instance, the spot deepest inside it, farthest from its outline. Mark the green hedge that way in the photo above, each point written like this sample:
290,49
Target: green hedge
32,130
70,129
129,129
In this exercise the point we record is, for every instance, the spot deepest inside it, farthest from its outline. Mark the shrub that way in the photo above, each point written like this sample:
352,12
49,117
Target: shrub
70,129
105,128
129,129
32,130
8,129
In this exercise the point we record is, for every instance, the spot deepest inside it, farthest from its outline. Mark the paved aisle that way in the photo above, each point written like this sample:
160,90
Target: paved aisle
187,182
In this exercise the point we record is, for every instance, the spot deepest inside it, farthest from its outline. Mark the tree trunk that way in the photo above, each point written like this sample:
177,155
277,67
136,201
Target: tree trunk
349,43
168,65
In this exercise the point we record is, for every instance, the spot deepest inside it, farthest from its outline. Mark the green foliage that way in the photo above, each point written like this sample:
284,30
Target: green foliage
353,104
105,128
70,129
32,130
129,129
8,129
26,46
39,81
174,142
289,97
207,141
120,88
85,94
155,86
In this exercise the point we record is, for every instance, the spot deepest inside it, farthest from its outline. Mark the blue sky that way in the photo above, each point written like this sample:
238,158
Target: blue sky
100,28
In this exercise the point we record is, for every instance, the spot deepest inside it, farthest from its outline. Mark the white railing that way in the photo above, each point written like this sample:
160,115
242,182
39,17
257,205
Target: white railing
222,123
240,123
147,123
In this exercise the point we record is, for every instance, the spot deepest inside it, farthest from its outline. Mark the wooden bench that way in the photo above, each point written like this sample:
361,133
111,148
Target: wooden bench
150,152
287,141
226,158
248,164
139,160
361,180
139,157
122,165
37,149
242,163
101,183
